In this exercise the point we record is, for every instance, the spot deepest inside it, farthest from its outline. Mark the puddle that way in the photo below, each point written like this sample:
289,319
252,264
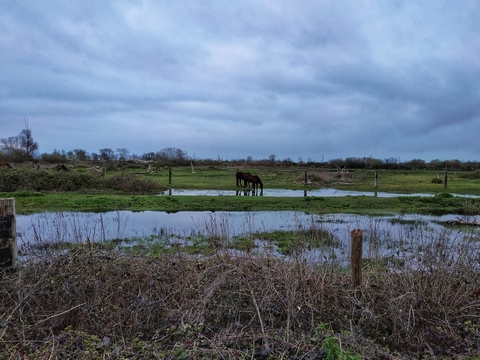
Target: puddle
324,192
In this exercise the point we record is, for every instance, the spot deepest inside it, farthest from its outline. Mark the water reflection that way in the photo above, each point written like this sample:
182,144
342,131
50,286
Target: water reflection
327,239
325,192
249,192
74,227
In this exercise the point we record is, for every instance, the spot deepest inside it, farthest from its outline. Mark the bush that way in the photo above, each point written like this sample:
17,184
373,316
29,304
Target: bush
470,175
175,306
131,183
50,180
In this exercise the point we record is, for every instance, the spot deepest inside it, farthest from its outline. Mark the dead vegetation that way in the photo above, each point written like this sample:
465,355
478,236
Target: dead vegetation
106,305
315,178
54,181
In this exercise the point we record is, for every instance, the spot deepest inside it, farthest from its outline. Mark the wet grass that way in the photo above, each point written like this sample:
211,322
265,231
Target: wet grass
318,205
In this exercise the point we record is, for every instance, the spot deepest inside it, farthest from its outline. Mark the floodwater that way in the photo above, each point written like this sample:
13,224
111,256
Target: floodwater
323,192
410,238
76,226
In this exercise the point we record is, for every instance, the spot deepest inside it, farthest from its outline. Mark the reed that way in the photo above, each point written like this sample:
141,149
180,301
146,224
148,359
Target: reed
419,296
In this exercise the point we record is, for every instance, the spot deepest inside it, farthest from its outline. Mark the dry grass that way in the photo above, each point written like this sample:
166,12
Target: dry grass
316,178
102,304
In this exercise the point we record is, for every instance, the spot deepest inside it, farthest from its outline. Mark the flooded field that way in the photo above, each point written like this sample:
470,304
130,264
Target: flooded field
324,192
323,238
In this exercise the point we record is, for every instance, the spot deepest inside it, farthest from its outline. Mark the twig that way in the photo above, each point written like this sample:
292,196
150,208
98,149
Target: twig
265,340
59,314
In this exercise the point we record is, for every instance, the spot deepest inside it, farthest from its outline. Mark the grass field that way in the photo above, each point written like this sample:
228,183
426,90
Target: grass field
395,181
142,197
96,301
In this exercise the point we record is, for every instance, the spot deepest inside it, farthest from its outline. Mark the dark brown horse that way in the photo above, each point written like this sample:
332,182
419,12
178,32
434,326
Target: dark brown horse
6,165
254,180
241,176
60,167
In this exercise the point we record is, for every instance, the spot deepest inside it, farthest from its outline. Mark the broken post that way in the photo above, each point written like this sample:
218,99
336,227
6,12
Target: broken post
356,257
8,240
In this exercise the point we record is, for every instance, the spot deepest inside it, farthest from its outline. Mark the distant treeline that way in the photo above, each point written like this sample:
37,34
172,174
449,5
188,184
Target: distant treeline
176,157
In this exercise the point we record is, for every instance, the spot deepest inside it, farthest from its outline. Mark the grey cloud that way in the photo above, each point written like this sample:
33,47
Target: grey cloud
293,79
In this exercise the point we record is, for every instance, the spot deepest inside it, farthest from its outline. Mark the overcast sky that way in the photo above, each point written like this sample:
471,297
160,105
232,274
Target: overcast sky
319,79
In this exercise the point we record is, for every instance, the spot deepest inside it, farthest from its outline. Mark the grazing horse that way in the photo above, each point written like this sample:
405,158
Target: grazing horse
254,180
6,165
61,167
241,176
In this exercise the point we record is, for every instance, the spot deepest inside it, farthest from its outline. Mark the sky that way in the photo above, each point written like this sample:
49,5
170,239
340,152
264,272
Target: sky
300,79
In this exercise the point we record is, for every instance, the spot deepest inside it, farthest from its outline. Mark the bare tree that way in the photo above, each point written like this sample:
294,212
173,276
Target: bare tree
27,142
23,143
107,154
272,158
10,143
172,154
81,155
123,154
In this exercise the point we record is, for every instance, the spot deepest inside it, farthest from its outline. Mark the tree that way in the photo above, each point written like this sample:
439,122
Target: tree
123,154
21,147
81,155
416,164
10,143
107,154
27,142
172,154
272,158
55,157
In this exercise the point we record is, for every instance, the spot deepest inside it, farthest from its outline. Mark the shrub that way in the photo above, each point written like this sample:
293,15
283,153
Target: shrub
131,183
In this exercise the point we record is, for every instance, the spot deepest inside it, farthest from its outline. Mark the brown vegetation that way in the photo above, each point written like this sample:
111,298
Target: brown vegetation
46,180
102,304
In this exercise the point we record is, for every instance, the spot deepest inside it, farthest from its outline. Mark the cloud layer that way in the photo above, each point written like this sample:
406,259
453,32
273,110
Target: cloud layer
308,79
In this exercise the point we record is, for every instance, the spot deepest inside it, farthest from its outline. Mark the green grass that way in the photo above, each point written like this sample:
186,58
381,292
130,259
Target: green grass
318,205
224,179
394,181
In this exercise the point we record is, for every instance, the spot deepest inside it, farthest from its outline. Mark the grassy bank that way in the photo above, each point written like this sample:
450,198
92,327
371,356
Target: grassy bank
29,202
82,190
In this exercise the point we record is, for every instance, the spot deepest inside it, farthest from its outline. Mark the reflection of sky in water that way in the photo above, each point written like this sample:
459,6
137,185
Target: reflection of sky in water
298,193
74,227
399,236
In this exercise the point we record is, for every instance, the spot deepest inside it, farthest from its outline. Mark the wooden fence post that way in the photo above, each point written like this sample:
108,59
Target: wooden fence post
445,180
170,175
356,256
375,179
305,187
8,240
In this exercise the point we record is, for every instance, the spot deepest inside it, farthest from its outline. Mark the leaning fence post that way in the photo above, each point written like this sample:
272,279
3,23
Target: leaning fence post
356,257
8,240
